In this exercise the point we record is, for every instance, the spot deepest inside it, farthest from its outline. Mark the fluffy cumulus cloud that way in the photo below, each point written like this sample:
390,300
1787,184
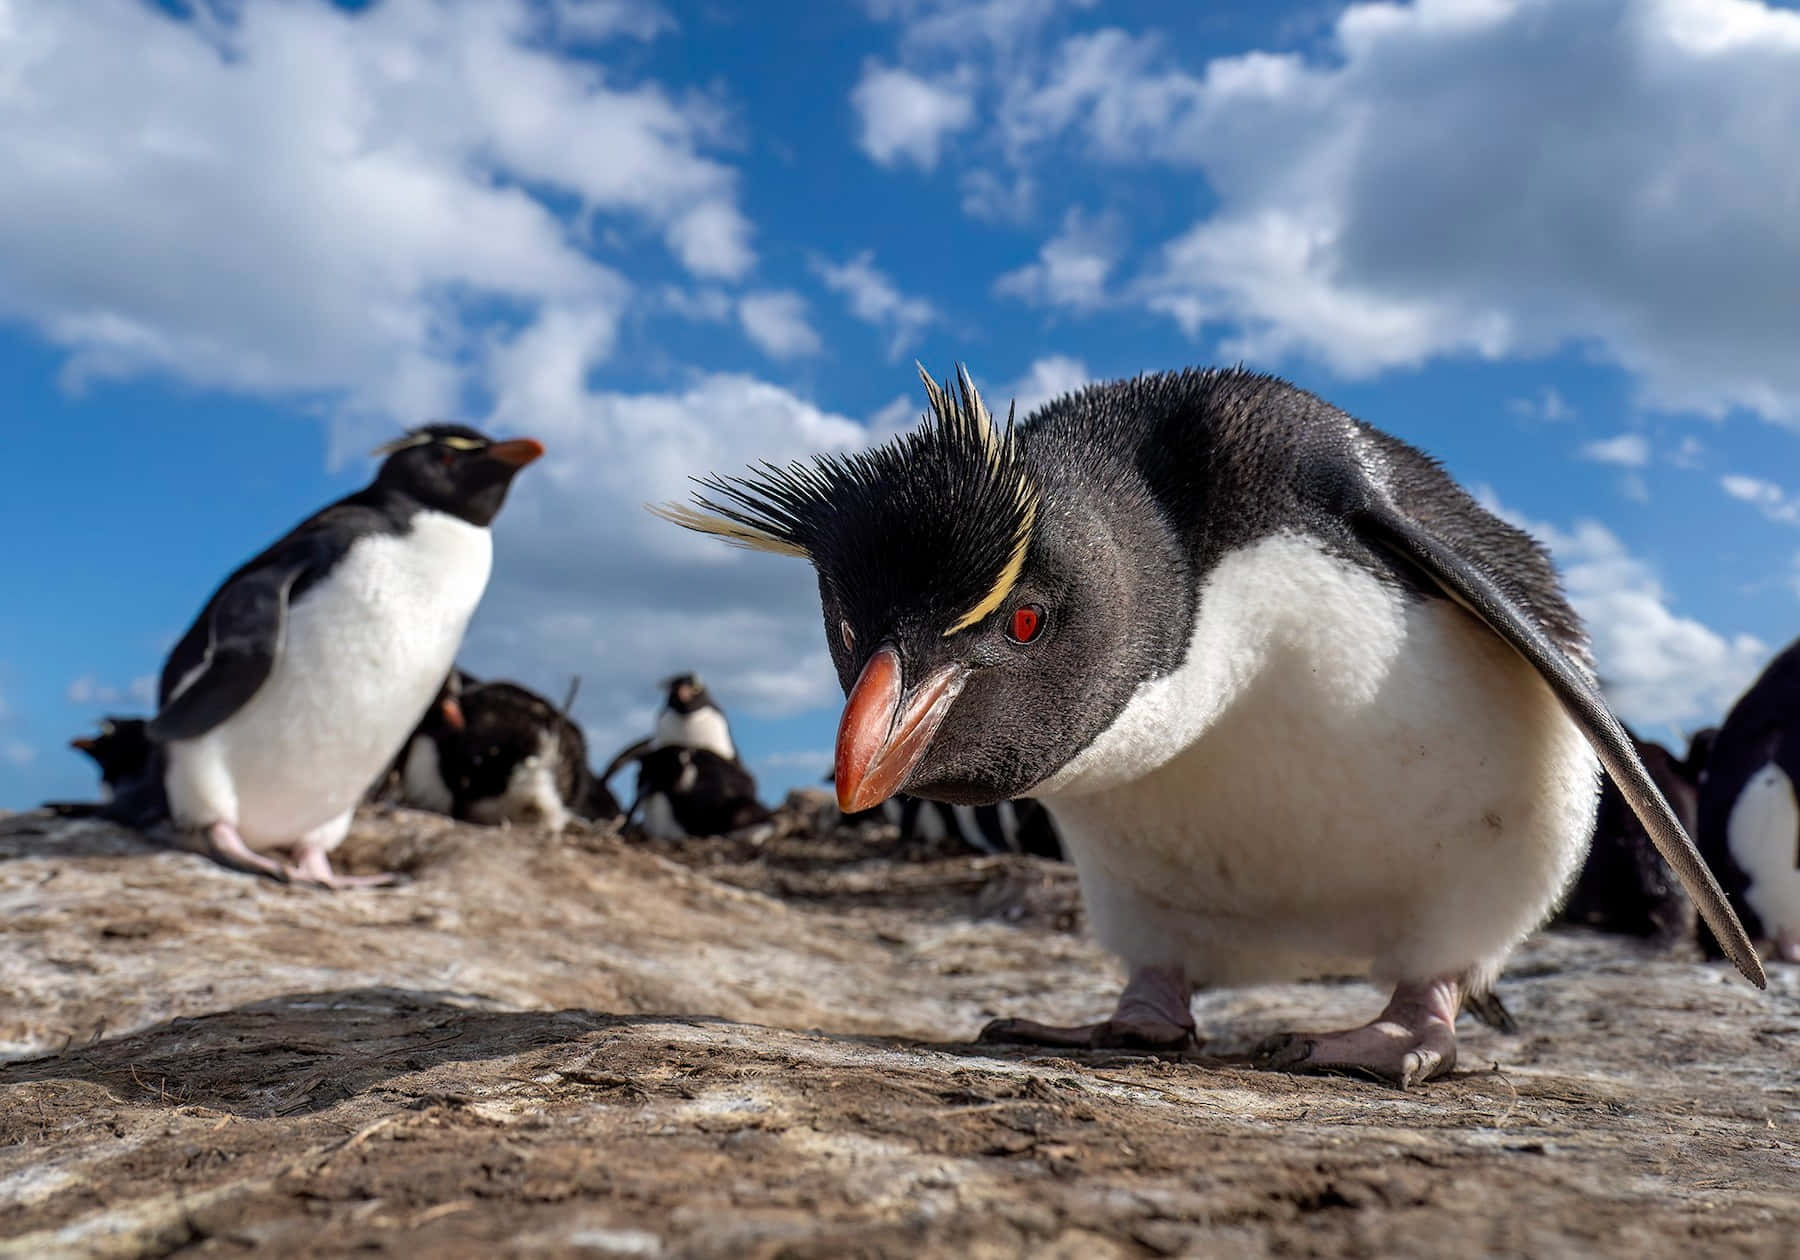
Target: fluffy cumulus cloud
874,299
777,323
88,690
1765,496
1659,668
904,116
1500,178
300,198
1072,268
1627,450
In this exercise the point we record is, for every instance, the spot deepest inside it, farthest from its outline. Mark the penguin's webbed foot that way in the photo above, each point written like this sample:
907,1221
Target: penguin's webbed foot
314,868
226,847
1152,1014
1411,1041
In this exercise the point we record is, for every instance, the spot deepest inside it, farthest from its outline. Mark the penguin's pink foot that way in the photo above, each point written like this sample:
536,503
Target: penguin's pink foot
1152,1014
1787,945
314,867
227,848
1411,1041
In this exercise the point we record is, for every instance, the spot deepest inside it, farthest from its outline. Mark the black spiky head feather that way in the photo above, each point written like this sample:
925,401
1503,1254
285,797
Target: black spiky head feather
929,529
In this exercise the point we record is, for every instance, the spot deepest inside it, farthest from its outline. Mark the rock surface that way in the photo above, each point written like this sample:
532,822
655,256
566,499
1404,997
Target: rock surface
572,1045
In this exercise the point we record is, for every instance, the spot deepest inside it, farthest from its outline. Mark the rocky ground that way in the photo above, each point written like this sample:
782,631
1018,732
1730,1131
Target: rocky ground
576,1045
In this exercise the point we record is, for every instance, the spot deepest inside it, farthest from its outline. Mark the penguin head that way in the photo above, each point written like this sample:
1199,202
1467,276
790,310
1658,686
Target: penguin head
455,469
121,748
687,694
978,606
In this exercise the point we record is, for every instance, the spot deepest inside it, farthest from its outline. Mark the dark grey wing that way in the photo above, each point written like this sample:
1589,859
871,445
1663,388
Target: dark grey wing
626,755
243,632
1445,568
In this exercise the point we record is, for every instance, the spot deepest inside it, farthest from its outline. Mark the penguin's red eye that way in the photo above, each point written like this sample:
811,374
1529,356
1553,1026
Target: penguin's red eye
1027,623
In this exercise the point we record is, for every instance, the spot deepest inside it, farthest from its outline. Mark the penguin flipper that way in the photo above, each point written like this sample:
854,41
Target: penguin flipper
244,633
628,754
1446,569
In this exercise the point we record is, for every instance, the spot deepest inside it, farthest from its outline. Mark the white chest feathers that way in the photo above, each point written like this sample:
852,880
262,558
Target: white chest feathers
703,728
1337,777
1763,833
363,652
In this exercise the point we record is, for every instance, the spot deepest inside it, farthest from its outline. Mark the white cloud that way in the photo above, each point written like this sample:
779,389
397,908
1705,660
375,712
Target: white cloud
903,115
596,21
1045,379
817,759
1689,453
305,199
874,299
1072,266
17,752
998,199
90,690
1549,405
1627,450
1657,667
1461,178
1767,497
777,323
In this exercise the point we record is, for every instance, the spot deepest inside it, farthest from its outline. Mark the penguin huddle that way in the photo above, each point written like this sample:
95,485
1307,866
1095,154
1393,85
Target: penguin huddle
1298,704
690,781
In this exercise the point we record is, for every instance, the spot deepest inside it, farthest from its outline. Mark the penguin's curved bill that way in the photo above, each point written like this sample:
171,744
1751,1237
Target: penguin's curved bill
452,714
886,729
518,452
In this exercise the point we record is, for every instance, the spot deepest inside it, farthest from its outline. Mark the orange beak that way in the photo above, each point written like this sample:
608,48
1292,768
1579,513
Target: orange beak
86,743
518,452
453,713
885,731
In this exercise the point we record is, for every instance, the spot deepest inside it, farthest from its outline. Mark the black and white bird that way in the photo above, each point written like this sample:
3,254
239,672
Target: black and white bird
509,755
1297,703
1749,815
691,718
307,668
121,748
1624,885
704,791
683,791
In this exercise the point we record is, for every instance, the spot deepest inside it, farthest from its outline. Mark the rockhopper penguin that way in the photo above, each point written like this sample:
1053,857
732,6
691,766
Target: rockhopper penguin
122,749
1749,814
1297,703
310,665
691,718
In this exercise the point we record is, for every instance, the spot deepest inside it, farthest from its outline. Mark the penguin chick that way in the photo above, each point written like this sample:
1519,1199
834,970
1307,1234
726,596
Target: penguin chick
518,758
1297,703
309,665
121,749
1624,885
1749,816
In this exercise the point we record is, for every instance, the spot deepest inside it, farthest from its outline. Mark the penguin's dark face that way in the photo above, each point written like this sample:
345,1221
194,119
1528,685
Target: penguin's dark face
456,470
988,615
687,694
121,748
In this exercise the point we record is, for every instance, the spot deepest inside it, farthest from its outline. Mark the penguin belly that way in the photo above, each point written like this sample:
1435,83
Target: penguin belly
703,728
1361,782
363,653
1763,833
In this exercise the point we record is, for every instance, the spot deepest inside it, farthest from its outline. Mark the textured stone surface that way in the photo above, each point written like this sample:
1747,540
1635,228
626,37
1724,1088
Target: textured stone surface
572,1046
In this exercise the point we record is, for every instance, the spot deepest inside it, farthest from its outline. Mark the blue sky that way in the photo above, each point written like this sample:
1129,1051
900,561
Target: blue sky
1556,244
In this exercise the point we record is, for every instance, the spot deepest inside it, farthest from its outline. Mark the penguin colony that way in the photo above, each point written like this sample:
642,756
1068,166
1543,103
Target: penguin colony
1289,699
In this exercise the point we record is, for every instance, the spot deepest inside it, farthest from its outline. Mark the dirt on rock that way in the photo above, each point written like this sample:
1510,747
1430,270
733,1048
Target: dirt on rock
578,1045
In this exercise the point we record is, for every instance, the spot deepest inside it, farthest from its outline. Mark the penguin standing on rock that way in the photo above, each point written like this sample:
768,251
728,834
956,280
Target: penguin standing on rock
1749,811
310,665
1297,703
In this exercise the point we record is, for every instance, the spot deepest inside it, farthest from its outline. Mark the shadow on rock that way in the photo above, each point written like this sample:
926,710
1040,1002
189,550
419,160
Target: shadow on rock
303,1052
